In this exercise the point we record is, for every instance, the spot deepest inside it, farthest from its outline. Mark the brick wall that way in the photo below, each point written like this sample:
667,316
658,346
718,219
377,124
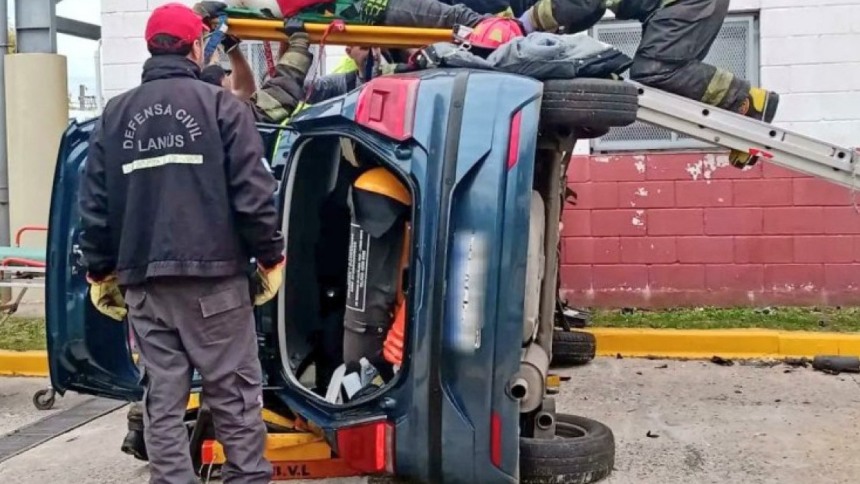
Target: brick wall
665,229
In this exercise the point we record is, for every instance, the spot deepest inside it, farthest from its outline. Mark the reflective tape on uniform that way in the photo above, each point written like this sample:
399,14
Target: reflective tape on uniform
172,159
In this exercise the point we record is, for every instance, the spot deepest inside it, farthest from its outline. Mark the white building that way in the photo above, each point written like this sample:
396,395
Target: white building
807,50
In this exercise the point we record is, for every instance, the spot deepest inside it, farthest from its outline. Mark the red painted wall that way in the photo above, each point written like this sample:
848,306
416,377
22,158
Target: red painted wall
686,229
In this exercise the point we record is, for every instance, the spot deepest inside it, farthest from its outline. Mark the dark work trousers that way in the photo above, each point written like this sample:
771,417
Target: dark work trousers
675,41
429,14
185,323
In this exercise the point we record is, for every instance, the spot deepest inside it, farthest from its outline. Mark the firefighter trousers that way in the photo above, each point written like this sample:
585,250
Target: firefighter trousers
675,41
181,324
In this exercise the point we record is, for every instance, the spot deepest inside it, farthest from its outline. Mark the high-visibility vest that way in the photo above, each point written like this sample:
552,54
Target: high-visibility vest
345,65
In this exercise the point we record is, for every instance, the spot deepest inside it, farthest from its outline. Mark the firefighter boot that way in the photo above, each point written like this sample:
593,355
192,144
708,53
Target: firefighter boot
133,443
761,105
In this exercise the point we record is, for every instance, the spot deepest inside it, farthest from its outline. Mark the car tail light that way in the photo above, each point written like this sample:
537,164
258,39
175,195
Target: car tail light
514,141
368,448
387,105
496,440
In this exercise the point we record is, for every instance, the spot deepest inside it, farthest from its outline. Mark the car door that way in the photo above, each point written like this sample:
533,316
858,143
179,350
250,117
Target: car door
88,353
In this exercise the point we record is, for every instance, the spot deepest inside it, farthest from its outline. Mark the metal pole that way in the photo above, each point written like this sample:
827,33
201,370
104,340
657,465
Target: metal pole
5,238
4,166
98,61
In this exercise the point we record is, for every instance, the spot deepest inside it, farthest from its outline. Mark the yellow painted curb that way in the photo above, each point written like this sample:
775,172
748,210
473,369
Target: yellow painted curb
23,363
667,343
734,343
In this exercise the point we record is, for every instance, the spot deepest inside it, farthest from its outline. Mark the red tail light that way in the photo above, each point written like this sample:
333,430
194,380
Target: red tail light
514,141
368,448
387,105
496,440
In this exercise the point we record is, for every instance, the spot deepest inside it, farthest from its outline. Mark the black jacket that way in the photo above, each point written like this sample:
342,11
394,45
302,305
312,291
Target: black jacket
175,182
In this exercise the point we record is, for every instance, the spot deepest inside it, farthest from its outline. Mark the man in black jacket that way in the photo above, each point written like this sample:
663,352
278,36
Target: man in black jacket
175,201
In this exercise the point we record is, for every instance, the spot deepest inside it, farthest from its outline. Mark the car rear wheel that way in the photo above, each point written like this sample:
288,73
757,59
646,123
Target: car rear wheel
589,105
583,451
572,347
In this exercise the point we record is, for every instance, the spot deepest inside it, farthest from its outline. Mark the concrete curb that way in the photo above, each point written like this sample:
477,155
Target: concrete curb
667,343
729,343
23,363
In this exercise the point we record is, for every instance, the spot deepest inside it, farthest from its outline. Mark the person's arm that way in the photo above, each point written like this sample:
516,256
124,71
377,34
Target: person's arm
243,78
250,183
95,239
279,96
332,85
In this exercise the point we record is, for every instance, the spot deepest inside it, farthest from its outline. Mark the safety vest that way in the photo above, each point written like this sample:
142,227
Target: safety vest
345,65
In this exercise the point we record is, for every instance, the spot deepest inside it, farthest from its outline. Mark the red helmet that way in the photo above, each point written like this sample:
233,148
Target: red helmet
492,32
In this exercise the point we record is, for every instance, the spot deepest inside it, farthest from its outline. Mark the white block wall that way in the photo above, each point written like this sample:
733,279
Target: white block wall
810,54
123,47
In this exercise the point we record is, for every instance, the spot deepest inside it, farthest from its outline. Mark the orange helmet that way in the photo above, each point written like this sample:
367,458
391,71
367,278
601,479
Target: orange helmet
492,32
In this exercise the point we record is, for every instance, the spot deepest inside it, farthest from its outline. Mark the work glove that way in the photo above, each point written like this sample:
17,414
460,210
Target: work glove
211,11
269,281
107,298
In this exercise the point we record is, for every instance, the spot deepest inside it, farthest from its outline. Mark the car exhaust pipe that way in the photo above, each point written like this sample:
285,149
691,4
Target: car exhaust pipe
519,389
533,369
544,420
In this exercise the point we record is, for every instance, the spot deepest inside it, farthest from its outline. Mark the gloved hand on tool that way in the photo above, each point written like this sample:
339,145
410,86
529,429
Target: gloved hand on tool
269,281
211,11
106,297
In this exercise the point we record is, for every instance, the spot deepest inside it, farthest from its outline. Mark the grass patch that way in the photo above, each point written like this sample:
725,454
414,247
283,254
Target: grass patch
21,334
786,318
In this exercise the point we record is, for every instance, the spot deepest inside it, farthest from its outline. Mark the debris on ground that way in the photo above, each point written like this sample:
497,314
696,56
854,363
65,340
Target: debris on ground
834,365
662,366
618,356
722,361
761,363
801,362
651,435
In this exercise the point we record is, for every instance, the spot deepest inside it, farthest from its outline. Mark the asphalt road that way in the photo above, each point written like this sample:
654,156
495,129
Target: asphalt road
713,424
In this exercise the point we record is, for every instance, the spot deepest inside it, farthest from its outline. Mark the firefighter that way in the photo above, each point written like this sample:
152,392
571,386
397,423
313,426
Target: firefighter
379,207
174,204
676,38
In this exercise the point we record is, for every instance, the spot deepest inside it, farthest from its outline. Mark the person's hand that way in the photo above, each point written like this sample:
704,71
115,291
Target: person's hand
107,298
230,42
209,10
270,281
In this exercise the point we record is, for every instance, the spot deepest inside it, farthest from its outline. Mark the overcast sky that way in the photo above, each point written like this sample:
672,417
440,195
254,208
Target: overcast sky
80,52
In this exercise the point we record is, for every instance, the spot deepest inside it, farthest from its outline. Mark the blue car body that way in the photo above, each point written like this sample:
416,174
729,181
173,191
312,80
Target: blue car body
466,147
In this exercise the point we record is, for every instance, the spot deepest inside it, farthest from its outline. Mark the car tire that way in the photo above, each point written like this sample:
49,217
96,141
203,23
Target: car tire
589,105
572,347
582,452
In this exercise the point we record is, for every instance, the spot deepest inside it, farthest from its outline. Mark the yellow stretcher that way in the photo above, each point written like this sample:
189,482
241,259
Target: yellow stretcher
366,35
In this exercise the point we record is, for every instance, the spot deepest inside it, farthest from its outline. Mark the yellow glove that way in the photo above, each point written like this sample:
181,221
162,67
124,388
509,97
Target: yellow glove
107,298
270,280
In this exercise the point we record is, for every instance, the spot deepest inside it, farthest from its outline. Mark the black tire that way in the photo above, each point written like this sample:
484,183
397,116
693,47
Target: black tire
572,347
582,452
588,105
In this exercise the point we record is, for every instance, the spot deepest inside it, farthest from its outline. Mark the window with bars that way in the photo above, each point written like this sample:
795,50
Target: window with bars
735,49
255,54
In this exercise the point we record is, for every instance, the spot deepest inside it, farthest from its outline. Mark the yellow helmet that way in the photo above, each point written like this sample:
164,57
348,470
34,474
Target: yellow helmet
383,182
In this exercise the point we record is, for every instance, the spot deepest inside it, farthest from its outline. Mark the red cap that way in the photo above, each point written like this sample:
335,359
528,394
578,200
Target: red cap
177,20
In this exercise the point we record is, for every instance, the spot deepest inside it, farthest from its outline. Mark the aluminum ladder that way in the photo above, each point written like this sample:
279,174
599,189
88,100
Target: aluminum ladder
730,130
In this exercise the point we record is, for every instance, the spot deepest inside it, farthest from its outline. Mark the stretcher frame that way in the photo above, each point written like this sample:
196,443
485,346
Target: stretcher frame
363,35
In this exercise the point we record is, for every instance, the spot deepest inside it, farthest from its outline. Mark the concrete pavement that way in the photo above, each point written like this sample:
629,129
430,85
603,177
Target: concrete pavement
714,424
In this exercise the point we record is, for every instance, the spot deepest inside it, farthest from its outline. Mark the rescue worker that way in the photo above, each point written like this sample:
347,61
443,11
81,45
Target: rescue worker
174,203
676,38
283,91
